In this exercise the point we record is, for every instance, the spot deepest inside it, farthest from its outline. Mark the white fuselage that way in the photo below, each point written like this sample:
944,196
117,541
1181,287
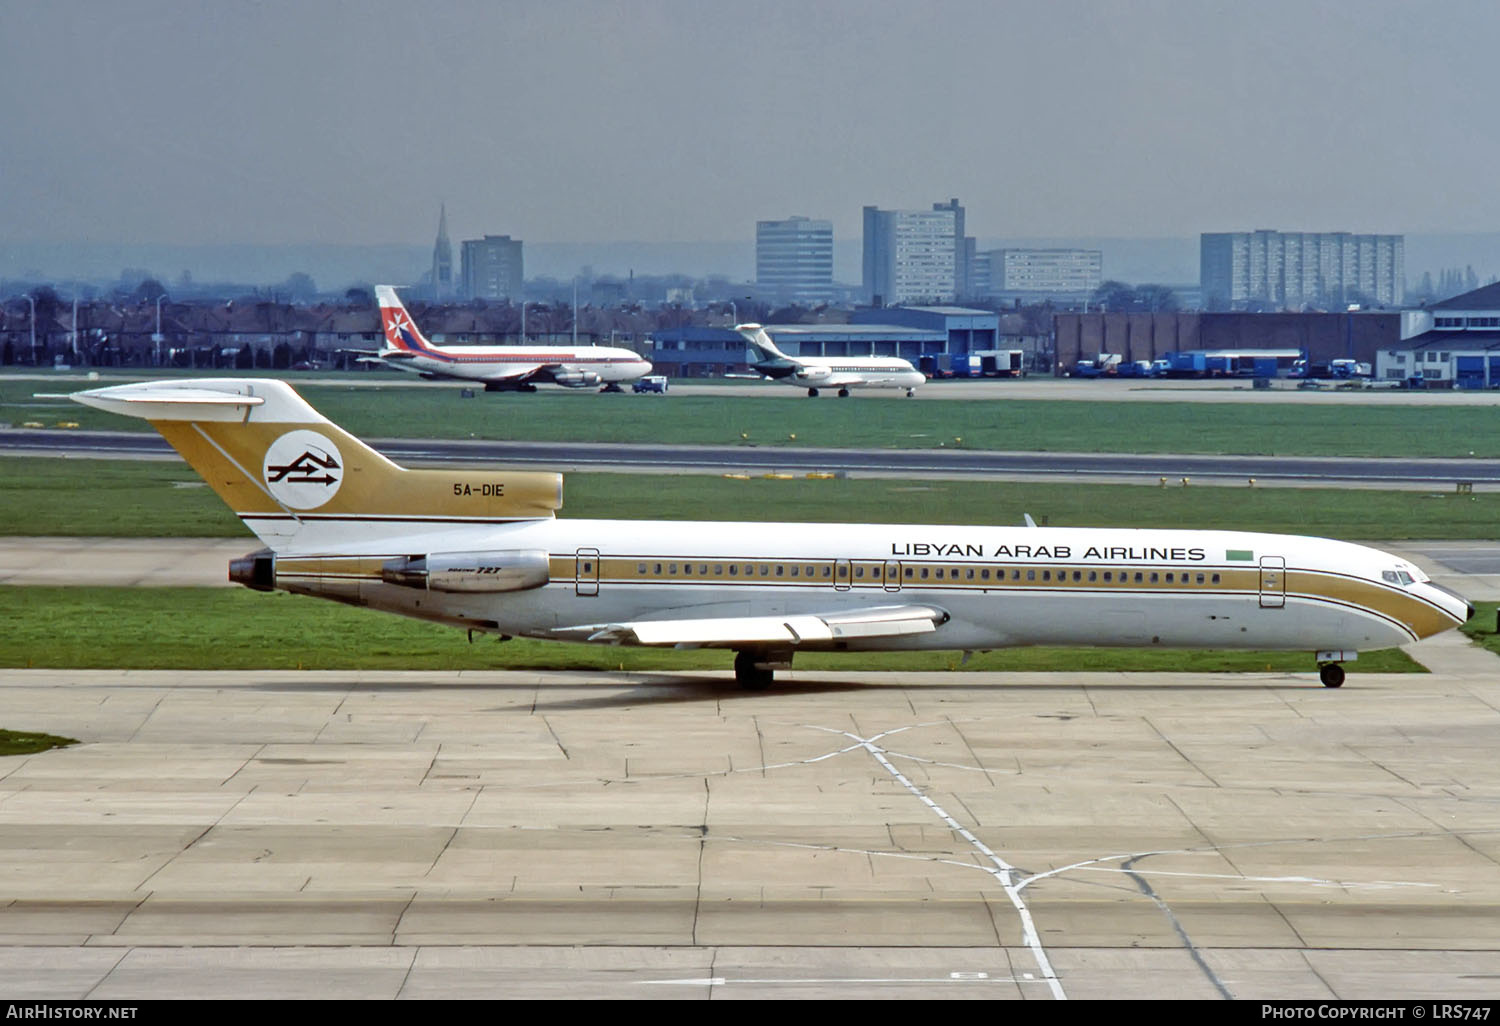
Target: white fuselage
609,364
1000,586
854,372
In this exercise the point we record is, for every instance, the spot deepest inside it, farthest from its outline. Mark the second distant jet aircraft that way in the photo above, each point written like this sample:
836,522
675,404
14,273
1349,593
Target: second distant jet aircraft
818,372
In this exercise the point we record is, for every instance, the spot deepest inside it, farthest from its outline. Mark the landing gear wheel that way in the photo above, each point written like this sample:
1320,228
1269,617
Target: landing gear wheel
611,387
910,393
749,676
843,393
1332,675
812,393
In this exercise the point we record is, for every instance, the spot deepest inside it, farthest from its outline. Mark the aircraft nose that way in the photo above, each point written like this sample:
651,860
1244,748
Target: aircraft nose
1454,599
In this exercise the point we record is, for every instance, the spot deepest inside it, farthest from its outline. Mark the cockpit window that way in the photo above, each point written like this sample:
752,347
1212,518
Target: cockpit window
1397,577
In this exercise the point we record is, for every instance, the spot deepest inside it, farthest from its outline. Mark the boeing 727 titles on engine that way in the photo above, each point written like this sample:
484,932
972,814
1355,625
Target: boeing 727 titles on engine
483,550
818,372
500,368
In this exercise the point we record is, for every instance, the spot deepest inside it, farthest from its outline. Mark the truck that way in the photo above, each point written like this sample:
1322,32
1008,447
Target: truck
1135,369
1103,365
1002,363
1348,369
951,365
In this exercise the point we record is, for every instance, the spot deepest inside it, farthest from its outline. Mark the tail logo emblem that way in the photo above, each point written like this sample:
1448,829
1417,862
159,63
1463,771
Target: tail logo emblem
303,469
397,328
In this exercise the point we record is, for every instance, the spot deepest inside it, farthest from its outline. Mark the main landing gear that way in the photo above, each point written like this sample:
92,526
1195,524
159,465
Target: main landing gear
755,670
812,393
1332,675
843,393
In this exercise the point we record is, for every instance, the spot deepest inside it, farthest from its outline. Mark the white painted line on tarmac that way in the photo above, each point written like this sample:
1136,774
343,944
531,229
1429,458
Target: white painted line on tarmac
953,977
1004,872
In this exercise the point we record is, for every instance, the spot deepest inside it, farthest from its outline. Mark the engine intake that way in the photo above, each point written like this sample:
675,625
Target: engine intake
509,570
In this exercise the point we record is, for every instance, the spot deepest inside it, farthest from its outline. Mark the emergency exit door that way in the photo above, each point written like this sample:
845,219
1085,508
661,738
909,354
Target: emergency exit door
1272,582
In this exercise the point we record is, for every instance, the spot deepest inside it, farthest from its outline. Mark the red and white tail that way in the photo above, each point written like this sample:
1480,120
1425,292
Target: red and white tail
400,330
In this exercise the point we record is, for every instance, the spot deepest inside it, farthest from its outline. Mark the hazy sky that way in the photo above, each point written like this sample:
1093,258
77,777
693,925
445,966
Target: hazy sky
223,121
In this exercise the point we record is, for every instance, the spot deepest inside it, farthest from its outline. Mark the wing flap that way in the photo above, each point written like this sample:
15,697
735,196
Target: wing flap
798,629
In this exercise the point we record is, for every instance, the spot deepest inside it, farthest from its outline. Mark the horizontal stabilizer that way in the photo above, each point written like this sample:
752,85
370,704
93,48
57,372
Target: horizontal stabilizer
197,399
800,629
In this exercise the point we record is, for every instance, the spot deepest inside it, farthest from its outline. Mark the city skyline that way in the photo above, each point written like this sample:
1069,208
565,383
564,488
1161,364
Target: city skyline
173,123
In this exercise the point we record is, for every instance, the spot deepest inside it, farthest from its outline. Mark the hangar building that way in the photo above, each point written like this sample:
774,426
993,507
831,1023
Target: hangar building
1455,343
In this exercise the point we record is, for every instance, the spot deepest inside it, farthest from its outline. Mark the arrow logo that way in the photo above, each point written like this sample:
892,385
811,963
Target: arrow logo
304,469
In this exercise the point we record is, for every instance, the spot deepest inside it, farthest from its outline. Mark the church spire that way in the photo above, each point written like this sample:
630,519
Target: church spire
442,260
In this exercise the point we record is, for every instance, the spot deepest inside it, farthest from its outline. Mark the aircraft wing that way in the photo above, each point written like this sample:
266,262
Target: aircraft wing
842,381
565,374
516,374
798,629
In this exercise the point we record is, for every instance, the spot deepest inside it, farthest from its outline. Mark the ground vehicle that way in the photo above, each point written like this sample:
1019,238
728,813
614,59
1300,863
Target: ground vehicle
1104,364
1002,363
651,383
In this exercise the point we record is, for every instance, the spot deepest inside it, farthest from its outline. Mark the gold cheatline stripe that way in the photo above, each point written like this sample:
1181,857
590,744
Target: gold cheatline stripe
1401,608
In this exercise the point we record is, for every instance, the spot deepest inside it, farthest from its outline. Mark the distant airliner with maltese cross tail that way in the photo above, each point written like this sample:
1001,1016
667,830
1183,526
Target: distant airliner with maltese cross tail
500,368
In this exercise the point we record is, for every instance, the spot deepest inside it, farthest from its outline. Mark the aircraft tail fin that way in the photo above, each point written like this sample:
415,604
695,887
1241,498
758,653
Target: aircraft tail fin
297,479
760,341
401,332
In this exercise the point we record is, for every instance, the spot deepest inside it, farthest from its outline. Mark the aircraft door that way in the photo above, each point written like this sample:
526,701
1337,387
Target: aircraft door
892,576
586,571
1272,582
842,574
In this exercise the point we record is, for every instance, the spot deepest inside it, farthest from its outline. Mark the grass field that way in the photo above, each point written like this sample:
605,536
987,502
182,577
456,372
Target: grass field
17,742
153,499
396,411
224,629
1481,626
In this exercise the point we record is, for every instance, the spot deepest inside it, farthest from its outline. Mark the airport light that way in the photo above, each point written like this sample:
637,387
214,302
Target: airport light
157,339
33,326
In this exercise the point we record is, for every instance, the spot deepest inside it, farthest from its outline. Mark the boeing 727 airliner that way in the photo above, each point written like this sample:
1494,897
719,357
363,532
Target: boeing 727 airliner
483,550
499,368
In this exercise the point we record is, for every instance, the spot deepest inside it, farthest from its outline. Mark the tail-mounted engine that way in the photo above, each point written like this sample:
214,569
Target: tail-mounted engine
510,570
